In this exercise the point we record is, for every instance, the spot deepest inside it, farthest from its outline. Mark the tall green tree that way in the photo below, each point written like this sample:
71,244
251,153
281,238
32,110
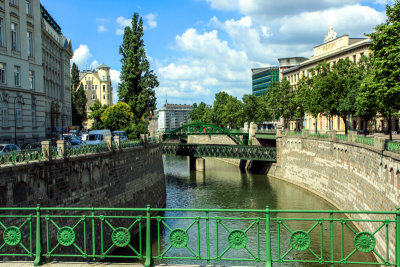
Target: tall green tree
78,104
78,98
117,117
251,107
97,111
385,79
137,80
197,114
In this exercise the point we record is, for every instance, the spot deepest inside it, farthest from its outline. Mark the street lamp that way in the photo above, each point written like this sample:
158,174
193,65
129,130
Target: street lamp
15,121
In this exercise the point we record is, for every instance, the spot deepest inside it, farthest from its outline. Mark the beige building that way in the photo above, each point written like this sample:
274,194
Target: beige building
22,95
97,86
333,49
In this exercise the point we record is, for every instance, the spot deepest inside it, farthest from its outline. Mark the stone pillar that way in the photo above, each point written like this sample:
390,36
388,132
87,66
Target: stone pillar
352,136
109,143
200,164
379,141
331,135
252,133
61,149
279,130
304,133
192,163
117,141
46,150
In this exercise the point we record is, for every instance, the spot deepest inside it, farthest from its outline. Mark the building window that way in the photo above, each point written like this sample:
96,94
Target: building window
94,96
85,86
33,115
17,76
29,36
13,2
18,114
104,96
104,88
14,37
2,73
1,32
361,54
108,97
28,7
95,87
31,79
354,58
4,114
104,77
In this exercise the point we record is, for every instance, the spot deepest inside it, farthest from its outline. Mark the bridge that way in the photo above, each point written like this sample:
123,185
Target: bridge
222,151
238,136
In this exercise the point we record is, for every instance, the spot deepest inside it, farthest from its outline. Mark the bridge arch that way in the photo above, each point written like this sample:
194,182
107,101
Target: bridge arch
202,129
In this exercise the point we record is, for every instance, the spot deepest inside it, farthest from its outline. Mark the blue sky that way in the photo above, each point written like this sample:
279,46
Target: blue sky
201,47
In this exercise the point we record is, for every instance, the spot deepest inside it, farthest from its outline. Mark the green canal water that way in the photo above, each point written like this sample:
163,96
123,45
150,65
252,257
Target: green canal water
225,186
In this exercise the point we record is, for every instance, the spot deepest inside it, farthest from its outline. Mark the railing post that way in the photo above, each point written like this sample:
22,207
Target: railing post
268,258
39,258
398,237
117,142
109,143
149,258
331,236
46,150
61,149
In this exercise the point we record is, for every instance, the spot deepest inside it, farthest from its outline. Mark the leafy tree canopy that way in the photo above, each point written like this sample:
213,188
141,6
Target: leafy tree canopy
117,117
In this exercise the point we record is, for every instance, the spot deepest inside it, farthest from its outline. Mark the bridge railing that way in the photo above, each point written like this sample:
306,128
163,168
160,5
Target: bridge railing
61,152
256,236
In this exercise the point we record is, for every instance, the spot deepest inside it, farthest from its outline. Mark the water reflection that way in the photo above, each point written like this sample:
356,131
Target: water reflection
224,186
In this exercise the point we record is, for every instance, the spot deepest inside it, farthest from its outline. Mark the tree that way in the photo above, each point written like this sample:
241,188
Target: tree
197,114
137,80
78,104
251,107
97,111
78,98
117,117
385,76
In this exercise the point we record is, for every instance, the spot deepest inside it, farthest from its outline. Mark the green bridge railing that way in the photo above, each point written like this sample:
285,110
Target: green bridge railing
259,237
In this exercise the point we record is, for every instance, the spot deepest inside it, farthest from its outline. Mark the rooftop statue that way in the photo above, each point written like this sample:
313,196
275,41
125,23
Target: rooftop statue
331,35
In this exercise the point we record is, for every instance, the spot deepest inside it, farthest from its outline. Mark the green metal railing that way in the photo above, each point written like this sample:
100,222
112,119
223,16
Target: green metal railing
318,135
259,237
392,146
341,137
19,157
295,133
131,143
365,140
221,151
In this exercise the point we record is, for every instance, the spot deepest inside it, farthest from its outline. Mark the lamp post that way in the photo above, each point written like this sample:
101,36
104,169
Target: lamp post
15,121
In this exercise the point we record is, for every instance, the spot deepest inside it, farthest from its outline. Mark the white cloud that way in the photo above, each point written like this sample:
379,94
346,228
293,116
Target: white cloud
122,22
151,20
101,28
94,64
81,56
384,2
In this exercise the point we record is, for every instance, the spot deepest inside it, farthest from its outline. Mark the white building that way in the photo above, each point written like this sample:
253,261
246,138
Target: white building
22,95
172,116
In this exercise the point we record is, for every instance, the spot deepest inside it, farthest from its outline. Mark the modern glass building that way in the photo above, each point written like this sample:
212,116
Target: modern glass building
262,78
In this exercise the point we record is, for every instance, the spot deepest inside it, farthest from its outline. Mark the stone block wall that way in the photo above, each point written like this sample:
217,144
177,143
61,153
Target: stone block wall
132,177
349,175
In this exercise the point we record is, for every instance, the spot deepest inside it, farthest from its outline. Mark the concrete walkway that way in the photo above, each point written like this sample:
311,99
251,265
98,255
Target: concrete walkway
91,264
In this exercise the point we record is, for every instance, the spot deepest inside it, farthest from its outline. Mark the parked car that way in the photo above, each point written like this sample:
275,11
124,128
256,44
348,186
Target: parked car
32,146
8,149
70,137
97,137
77,143
121,134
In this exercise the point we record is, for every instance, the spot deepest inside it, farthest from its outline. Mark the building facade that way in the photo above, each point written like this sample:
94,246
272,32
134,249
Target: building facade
333,49
22,95
97,86
56,56
262,78
172,116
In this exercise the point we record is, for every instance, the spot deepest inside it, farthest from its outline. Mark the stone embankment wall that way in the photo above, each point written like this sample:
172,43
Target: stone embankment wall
131,177
351,176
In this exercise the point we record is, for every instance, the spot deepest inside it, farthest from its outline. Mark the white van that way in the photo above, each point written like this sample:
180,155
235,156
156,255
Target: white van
97,137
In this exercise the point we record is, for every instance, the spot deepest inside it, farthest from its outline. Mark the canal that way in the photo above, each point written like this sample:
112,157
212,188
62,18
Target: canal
225,186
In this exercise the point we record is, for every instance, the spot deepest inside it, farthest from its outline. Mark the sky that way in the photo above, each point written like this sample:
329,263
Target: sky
198,48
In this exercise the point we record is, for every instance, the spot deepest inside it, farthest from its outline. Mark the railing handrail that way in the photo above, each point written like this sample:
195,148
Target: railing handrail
45,217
